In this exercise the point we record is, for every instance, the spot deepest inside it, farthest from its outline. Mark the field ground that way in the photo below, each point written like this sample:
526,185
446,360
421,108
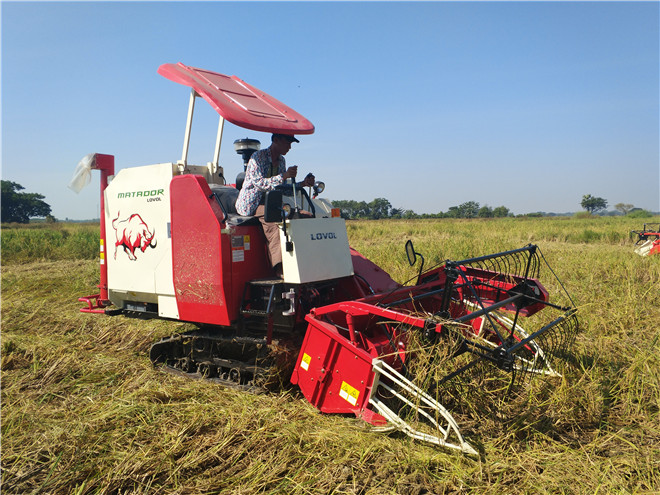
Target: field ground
83,411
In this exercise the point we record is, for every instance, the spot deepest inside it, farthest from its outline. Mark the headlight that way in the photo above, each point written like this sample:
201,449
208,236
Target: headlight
319,187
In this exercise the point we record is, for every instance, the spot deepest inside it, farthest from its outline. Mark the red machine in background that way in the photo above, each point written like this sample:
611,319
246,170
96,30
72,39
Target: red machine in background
648,239
354,340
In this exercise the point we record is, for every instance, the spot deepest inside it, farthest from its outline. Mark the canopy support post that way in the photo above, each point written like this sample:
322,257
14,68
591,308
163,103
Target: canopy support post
186,139
214,165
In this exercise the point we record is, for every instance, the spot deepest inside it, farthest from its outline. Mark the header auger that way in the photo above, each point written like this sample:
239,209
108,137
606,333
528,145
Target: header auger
335,324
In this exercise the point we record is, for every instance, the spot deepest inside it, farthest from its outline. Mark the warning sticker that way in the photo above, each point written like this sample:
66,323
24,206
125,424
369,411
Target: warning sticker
348,393
237,242
306,359
246,242
238,247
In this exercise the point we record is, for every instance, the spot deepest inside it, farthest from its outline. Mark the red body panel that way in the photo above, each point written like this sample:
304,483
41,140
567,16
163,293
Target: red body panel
334,374
334,367
378,279
199,252
249,258
238,102
210,267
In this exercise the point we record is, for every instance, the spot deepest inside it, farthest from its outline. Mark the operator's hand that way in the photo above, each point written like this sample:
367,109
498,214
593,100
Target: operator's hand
309,180
290,173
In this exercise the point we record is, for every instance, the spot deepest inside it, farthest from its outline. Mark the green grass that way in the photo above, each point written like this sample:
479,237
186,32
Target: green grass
32,242
84,412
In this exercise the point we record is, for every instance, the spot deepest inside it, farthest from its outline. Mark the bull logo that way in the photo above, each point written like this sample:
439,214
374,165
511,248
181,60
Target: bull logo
133,233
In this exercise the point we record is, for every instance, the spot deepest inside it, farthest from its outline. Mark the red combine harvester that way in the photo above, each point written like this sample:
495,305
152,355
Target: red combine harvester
648,239
354,340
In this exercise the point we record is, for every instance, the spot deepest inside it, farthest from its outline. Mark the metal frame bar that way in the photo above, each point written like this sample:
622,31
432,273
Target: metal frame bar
531,248
398,380
186,137
218,143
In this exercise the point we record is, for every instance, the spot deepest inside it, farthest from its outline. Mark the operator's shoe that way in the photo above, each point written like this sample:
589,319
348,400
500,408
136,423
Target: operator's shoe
278,270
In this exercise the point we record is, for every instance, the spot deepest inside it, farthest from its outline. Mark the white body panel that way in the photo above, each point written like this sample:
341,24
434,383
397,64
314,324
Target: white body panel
139,244
320,250
139,251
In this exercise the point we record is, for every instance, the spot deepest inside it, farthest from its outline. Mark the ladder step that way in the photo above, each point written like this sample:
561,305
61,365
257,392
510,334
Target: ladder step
266,282
254,312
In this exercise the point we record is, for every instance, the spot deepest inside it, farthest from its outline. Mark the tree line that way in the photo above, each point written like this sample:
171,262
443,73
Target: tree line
594,204
381,208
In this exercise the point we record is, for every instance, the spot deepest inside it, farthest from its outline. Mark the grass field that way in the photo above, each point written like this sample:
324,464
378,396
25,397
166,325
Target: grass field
83,411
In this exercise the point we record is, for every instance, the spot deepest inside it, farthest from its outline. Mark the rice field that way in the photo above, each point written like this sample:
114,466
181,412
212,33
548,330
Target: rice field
84,412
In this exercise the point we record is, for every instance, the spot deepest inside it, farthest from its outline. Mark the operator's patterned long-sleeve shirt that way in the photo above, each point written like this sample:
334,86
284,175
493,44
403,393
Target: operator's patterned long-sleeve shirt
261,176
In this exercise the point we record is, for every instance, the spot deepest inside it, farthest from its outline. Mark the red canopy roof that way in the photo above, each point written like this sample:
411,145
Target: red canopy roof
238,102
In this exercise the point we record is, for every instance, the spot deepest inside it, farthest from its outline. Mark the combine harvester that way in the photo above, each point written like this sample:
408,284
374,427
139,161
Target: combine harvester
354,340
648,239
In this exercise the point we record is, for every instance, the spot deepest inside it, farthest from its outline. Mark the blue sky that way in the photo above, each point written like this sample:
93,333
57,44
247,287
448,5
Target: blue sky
528,105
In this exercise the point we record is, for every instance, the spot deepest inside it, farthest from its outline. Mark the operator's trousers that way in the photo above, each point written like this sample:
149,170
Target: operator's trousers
272,231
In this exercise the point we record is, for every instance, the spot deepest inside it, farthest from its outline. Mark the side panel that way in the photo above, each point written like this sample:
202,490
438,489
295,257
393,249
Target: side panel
333,374
249,258
378,279
320,250
137,217
201,255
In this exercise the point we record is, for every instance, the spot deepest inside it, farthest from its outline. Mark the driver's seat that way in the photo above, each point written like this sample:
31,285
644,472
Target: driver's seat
240,178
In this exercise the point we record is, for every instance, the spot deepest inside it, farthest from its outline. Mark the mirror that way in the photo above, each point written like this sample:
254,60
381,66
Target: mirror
412,258
410,252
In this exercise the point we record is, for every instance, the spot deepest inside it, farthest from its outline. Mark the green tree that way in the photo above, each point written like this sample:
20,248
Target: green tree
453,212
469,209
485,212
19,206
374,210
593,204
501,211
639,213
396,213
379,208
623,207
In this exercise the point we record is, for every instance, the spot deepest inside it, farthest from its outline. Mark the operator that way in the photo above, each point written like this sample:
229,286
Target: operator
266,170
